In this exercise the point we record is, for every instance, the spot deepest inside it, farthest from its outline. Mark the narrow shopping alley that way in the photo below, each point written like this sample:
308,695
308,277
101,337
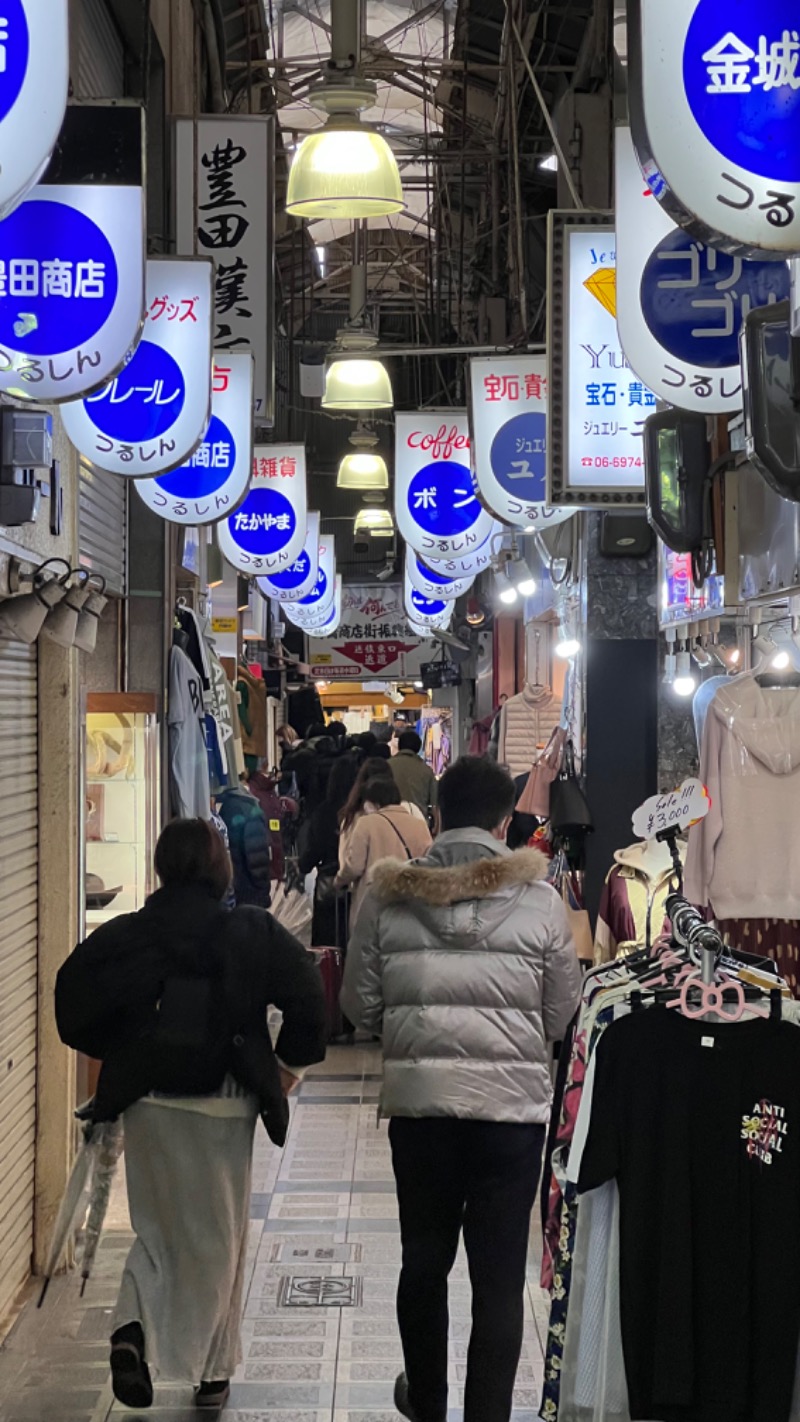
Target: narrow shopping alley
320,1338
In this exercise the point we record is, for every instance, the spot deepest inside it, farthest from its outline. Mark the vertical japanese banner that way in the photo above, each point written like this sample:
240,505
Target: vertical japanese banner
320,597
508,439
72,260
267,533
225,209
299,579
681,305
154,413
433,584
437,511
213,481
34,78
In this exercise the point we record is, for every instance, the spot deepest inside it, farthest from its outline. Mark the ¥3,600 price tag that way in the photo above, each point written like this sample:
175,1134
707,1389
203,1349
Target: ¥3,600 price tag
676,811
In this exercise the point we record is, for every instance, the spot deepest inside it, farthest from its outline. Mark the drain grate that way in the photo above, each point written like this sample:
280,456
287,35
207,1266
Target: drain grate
301,1291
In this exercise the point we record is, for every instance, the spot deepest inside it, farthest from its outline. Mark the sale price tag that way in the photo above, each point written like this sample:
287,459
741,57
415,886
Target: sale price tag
676,811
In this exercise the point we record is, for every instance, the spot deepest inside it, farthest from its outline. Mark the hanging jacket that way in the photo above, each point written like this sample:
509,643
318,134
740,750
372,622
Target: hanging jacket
633,904
253,714
248,837
526,723
466,964
174,998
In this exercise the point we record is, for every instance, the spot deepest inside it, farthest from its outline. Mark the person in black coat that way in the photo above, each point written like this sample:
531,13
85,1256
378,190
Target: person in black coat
174,1001
318,848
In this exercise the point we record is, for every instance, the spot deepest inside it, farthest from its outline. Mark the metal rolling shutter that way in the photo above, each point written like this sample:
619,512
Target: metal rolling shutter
103,525
19,875
101,56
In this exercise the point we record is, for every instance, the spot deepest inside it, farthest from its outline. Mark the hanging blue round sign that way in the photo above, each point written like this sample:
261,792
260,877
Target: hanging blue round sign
695,298
741,74
318,591
209,468
441,500
144,400
519,457
295,576
265,523
14,52
431,577
428,607
58,278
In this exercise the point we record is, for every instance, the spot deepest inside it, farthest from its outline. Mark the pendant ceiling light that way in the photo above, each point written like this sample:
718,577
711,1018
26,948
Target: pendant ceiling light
378,522
346,169
363,471
355,380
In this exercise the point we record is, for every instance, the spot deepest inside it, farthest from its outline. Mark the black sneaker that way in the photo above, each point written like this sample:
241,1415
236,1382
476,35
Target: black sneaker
212,1395
403,1404
130,1375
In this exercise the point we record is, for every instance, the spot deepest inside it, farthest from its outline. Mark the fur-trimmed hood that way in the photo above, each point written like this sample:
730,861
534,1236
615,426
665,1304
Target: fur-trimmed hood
441,885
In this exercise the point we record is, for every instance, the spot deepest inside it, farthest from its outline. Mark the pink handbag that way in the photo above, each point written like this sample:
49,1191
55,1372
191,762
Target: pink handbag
535,798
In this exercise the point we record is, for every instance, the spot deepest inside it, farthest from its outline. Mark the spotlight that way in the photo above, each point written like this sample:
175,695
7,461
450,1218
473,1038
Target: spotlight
476,614
567,647
509,596
781,661
685,683
527,587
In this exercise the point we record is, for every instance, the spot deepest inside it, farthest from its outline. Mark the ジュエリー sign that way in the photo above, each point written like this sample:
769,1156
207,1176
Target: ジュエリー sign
34,78
438,513
214,480
154,412
508,438
268,532
715,112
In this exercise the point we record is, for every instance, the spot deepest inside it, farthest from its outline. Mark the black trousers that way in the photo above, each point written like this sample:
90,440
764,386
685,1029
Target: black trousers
481,1177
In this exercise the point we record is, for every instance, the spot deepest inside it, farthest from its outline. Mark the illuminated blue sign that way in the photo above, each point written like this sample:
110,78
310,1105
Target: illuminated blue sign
264,524
297,580
267,532
519,456
14,52
209,468
295,576
425,606
441,499
58,278
144,400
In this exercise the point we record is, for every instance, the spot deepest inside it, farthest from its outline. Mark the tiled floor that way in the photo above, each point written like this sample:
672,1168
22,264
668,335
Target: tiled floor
320,1336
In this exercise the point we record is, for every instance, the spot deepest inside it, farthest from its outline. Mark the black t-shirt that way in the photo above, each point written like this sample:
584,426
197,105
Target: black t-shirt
699,1123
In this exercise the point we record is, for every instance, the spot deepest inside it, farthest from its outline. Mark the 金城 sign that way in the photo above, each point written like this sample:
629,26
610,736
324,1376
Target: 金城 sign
228,214
681,304
268,532
598,404
319,600
433,584
371,638
438,513
715,113
211,483
34,77
508,427
299,579
154,412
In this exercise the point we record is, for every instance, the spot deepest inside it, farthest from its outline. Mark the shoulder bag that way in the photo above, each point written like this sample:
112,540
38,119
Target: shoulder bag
535,798
569,811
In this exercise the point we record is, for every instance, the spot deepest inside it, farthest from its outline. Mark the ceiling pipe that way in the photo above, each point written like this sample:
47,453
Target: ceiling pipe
345,35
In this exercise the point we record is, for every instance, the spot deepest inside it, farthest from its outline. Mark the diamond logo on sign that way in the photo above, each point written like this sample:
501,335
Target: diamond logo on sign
154,412
438,513
716,110
681,304
298,579
433,584
508,420
267,533
72,289
34,64
212,482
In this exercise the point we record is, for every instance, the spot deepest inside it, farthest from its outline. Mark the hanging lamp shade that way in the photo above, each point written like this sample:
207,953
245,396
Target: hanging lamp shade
344,170
378,522
363,471
357,385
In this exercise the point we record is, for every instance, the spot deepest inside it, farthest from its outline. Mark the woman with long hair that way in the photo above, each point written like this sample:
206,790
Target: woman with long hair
318,848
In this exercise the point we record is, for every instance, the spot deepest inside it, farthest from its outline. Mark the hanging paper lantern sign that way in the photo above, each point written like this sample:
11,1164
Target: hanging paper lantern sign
508,425
680,304
215,478
72,262
432,584
467,564
299,579
34,80
428,612
154,412
314,621
330,627
267,534
438,513
320,598
715,113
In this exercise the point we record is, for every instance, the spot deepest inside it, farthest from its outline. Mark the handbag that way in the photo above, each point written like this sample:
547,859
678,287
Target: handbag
569,811
579,921
535,798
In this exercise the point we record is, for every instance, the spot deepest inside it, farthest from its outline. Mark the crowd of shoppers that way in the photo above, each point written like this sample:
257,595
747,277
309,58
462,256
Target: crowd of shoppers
460,959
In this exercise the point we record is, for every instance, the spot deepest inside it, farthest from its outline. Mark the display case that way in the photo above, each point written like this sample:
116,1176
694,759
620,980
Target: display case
121,803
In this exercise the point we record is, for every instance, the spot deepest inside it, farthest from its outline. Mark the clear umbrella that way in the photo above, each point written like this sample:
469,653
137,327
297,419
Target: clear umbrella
107,1144
74,1204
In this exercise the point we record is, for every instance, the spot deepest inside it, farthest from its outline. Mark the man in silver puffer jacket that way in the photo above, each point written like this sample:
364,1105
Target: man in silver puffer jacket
464,962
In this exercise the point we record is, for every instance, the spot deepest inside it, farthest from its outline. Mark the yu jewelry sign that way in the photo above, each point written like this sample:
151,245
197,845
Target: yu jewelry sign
300,578
34,77
681,304
508,437
438,513
215,479
715,113
154,412
268,532
225,210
